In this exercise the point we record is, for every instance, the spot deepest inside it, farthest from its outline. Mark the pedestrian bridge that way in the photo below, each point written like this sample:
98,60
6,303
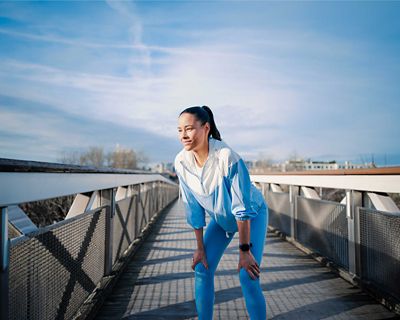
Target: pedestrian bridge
124,249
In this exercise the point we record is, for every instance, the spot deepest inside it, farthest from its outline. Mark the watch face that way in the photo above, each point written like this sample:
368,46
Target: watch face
244,247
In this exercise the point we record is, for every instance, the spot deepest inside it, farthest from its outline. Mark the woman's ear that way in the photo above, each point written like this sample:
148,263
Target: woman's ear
207,128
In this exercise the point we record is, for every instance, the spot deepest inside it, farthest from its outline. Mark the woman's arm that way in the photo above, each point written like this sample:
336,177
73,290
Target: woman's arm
199,238
244,231
200,254
246,258
240,186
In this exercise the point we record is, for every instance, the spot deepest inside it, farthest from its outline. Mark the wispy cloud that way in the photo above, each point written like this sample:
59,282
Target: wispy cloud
273,90
50,132
127,11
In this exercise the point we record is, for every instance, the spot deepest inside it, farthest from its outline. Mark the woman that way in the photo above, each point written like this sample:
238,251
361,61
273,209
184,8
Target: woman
215,180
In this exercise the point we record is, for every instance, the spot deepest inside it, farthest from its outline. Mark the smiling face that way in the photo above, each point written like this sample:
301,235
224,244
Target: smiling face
192,134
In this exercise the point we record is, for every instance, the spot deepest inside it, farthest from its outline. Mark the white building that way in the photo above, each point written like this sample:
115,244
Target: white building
333,165
163,167
304,165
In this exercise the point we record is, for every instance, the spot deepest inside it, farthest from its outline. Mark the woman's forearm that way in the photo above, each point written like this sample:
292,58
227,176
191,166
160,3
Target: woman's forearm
246,258
244,231
200,253
199,238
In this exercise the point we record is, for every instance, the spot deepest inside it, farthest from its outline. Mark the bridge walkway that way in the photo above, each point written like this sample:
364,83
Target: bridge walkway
158,282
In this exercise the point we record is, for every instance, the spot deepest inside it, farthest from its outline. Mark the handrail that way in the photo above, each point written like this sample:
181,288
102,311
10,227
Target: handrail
19,187
372,180
365,171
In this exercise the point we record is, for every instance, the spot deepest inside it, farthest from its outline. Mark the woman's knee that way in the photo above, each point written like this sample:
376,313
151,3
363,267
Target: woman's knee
202,271
246,281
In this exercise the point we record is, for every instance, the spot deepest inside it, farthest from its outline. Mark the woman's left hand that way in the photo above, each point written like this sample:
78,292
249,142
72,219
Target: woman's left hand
247,262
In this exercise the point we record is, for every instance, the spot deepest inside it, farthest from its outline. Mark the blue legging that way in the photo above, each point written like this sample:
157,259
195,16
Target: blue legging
215,243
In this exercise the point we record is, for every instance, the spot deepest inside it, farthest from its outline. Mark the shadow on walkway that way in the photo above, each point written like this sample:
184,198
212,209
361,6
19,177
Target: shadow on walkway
158,282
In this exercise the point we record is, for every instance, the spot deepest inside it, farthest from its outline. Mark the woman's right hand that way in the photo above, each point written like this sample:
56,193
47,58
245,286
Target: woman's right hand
199,256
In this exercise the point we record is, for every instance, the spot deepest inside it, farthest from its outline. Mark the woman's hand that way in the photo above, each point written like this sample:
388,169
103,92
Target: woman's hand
199,256
247,262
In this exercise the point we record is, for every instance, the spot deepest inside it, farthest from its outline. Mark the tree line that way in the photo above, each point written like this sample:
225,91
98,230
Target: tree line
96,156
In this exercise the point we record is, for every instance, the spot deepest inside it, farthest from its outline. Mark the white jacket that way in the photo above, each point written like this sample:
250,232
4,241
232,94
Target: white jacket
223,190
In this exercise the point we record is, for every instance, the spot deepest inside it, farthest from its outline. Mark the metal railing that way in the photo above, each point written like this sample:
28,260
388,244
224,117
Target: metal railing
48,272
360,234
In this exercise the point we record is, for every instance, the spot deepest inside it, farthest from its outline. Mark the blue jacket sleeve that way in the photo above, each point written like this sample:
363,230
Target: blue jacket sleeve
195,214
241,191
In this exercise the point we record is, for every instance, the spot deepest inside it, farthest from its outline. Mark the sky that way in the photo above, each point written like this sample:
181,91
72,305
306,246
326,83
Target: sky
317,80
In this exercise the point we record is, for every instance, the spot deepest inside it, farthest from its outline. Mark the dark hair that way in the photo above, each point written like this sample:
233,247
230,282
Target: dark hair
204,114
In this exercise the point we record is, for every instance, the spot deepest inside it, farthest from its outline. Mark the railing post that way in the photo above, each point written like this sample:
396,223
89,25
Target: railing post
157,197
109,196
357,240
293,191
142,209
4,276
148,202
350,228
137,208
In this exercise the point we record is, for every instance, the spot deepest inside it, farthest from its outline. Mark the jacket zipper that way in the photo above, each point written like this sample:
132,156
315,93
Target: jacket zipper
196,175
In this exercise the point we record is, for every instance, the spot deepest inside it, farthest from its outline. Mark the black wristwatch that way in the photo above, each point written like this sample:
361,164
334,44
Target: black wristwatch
245,246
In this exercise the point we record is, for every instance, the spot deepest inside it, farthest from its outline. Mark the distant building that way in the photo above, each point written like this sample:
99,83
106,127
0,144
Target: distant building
166,169
259,167
163,167
293,165
321,165
333,165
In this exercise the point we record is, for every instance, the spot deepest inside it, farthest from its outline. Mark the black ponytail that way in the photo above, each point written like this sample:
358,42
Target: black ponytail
214,131
204,114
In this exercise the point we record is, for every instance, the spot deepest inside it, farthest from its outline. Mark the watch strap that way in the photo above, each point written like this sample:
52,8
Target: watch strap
245,246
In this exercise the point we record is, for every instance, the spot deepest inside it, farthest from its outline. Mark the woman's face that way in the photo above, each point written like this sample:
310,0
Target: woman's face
192,134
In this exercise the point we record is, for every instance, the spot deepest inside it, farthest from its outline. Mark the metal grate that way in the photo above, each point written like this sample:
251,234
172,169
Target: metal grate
125,221
132,214
322,226
52,271
279,211
380,249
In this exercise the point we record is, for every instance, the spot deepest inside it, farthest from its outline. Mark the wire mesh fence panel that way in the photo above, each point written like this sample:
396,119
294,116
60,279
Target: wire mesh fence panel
53,271
380,250
124,225
279,211
322,226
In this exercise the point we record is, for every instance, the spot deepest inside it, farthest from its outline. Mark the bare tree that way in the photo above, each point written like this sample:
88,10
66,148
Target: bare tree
142,158
93,157
123,158
72,157
263,164
264,161
294,156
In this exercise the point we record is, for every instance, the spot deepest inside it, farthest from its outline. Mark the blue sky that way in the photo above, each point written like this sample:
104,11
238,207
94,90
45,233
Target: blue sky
318,79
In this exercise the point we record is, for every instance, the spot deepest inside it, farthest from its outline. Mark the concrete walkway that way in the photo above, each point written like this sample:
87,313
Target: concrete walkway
158,282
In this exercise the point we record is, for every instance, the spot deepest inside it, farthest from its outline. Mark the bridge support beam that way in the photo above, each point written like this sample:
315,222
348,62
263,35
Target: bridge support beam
293,192
4,268
353,199
108,198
